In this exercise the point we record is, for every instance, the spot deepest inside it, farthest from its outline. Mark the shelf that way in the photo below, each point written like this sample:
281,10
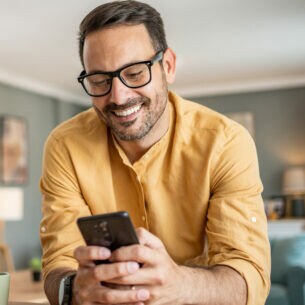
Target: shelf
286,227
288,220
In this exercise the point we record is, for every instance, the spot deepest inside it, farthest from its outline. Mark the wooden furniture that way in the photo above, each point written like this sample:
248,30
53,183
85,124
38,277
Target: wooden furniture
24,303
6,260
24,289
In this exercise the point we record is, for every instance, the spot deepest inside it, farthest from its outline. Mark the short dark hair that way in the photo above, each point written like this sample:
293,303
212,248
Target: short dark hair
128,12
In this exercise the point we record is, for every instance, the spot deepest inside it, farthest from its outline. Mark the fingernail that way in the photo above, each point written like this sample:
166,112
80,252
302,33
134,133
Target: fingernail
104,253
143,294
132,267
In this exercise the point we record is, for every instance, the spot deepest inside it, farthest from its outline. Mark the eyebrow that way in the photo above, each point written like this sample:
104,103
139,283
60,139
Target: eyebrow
122,67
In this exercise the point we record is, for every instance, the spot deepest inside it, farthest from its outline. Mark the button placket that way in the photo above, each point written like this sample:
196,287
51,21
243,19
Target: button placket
142,208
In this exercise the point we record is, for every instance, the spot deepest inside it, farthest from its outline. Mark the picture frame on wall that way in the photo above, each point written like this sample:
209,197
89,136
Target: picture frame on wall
13,150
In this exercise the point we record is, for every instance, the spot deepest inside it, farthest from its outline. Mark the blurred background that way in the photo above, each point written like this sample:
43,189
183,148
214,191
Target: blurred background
242,58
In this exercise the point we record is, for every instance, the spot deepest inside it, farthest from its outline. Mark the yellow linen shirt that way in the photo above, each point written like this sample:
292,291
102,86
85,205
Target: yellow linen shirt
199,183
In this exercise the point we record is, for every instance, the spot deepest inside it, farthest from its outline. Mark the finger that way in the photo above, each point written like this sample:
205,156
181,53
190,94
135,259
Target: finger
144,277
107,272
105,295
137,303
137,253
85,255
115,296
148,239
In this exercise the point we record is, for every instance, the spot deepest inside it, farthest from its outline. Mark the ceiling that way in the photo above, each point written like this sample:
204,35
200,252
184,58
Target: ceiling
222,46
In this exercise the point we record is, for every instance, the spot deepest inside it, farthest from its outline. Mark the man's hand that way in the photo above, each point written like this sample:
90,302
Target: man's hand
123,281
164,279
87,287
159,281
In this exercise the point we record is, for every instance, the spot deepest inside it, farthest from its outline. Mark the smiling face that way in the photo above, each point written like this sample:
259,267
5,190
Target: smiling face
131,114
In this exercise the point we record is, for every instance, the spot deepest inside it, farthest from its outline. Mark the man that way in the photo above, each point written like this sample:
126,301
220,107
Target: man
184,173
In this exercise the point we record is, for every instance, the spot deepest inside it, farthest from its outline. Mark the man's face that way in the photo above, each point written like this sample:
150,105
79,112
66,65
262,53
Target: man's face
130,113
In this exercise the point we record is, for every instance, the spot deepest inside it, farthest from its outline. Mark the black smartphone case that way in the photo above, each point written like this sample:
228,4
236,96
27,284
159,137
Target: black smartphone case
112,230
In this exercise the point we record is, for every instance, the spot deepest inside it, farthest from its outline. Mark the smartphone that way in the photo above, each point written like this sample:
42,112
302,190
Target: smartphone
111,230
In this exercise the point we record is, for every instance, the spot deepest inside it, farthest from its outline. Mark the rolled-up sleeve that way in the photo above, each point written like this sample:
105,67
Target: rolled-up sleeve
236,222
62,204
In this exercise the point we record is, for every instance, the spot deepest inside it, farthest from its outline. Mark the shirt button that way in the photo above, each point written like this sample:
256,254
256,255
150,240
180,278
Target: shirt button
253,219
43,229
143,218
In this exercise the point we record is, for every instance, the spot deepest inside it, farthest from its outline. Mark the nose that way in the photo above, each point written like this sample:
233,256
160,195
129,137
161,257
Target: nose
119,93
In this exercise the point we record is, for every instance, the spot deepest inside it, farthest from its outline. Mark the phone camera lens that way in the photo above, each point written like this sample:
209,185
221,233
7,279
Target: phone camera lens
104,226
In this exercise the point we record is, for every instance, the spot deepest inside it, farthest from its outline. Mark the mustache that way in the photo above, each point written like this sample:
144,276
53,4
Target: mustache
130,103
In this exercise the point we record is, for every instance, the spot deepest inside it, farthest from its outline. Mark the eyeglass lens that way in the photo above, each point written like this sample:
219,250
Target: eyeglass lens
133,76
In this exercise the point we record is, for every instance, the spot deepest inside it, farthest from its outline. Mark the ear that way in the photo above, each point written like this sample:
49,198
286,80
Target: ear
169,65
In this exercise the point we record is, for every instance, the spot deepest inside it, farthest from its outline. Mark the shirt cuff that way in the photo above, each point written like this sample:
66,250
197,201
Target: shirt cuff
258,285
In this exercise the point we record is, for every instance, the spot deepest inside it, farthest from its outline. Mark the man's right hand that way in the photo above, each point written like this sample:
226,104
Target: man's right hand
87,287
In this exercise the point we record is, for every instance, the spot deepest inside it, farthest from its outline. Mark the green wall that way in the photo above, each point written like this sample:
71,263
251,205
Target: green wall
279,122
41,114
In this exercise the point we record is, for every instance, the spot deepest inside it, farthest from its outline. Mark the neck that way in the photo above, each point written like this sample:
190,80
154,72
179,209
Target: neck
134,150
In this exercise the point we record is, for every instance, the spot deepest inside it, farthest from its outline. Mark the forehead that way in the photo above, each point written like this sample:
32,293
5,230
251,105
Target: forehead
111,48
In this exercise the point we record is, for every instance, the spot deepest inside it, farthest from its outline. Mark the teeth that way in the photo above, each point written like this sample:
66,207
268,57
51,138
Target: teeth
127,112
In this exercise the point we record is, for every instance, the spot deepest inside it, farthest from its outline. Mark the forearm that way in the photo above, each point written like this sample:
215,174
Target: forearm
52,281
214,286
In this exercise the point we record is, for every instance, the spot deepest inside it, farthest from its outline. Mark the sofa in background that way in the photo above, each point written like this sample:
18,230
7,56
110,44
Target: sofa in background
287,271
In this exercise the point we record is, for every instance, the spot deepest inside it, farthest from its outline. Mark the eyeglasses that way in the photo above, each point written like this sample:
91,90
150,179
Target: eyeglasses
135,75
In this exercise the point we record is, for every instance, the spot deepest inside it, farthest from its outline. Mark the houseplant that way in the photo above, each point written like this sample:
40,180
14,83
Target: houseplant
35,266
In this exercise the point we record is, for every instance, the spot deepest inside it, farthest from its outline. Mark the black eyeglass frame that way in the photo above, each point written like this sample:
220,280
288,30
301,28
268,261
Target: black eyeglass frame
117,73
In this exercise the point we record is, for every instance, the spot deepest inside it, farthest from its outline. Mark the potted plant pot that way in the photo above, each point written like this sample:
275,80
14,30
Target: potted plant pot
35,266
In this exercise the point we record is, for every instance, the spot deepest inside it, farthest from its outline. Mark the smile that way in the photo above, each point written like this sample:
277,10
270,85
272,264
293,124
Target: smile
127,112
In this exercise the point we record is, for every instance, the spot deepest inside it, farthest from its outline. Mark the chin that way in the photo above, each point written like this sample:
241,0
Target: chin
135,135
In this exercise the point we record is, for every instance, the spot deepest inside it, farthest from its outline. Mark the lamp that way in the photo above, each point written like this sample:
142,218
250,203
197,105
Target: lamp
294,188
294,181
11,208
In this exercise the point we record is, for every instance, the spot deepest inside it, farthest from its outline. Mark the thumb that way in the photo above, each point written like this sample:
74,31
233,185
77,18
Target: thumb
148,239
